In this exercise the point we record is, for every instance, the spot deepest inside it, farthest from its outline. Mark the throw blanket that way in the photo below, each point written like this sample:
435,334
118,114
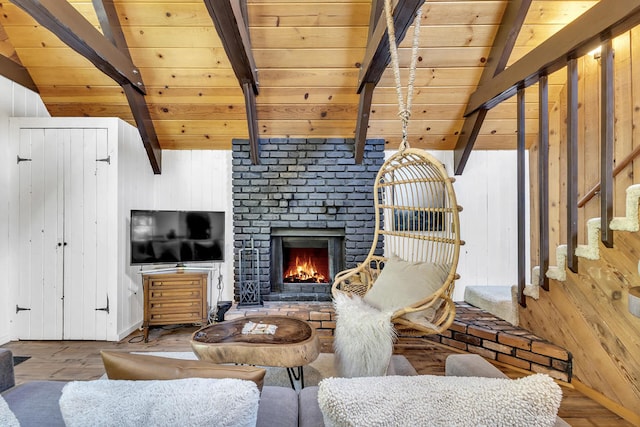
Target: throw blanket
363,338
427,400
7,418
184,402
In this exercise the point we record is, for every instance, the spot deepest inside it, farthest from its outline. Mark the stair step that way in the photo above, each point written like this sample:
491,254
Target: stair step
497,300
629,222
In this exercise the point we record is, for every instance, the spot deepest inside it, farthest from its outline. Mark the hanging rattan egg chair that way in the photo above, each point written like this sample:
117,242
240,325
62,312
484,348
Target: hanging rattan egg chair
417,216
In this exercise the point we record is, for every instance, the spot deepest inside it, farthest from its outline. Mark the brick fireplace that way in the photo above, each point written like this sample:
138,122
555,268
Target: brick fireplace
308,201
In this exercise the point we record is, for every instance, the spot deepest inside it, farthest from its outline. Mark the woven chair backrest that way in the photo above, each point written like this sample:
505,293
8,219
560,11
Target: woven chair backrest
416,209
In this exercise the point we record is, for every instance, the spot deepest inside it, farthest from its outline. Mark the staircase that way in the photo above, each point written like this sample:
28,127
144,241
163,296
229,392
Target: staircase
501,301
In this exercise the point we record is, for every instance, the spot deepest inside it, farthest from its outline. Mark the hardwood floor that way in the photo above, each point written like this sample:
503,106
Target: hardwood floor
80,360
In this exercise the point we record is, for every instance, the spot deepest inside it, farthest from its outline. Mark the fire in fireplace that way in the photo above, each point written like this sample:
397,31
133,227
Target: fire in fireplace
305,260
305,265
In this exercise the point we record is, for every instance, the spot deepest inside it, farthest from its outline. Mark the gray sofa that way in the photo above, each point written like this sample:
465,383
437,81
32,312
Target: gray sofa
36,403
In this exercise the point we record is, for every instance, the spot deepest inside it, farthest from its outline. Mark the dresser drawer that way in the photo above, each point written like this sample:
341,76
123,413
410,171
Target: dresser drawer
163,284
175,293
175,306
174,318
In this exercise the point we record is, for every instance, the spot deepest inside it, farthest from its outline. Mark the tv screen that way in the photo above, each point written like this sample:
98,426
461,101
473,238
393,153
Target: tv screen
176,237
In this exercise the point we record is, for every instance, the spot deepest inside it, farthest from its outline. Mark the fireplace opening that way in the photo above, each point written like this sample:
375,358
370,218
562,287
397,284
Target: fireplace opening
304,261
305,265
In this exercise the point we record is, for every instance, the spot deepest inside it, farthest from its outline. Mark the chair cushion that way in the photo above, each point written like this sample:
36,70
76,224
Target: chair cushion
402,283
189,402
310,414
531,401
278,407
128,366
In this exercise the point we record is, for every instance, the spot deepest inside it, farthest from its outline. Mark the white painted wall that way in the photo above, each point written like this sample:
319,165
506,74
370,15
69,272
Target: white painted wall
201,180
190,180
487,191
489,221
135,181
15,101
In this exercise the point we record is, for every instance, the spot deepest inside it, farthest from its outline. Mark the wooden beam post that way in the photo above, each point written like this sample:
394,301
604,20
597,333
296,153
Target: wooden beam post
364,109
606,142
522,213
108,17
377,55
543,180
229,19
503,44
366,93
376,59
72,28
17,73
572,164
252,122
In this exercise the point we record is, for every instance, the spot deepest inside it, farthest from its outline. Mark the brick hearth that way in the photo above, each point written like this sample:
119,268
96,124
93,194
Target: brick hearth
473,331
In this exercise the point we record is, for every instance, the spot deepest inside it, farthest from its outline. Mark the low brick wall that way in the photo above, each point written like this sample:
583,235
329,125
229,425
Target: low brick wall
473,331
477,331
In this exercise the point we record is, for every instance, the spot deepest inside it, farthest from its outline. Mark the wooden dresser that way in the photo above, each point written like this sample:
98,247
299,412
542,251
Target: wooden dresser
174,298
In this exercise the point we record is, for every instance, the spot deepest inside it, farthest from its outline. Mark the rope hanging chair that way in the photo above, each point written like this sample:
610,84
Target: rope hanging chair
416,213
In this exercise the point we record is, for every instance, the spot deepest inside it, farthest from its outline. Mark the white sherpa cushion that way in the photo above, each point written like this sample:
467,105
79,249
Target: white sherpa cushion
403,283
428,400
363,338
183,402
7,418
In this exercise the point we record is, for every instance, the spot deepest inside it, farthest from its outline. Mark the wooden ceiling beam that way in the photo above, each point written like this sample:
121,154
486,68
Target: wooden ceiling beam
364,107
377,55
510,25
71,27
606,19
17,73
112,29
376,58
229,19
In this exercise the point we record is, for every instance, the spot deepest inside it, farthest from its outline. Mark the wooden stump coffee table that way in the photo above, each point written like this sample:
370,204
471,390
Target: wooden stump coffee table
293,345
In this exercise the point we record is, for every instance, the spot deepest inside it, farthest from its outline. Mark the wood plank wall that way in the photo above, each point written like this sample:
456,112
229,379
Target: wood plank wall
15,101
587,314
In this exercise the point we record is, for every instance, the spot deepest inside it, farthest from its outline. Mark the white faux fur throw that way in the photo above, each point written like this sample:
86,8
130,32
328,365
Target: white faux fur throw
184,402
427,400
7,418
363,338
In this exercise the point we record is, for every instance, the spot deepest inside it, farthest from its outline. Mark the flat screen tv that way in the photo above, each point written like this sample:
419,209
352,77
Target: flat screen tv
176,237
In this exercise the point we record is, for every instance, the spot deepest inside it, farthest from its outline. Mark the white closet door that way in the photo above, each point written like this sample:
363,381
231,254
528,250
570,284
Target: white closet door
85,223
62,238
39,243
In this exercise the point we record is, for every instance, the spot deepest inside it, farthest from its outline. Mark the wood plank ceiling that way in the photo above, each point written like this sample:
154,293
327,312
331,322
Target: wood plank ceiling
308,56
